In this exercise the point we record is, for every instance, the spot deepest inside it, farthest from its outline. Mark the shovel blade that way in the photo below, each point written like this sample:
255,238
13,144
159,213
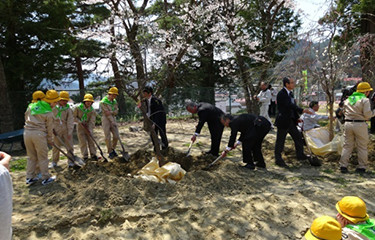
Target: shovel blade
79,161
126,156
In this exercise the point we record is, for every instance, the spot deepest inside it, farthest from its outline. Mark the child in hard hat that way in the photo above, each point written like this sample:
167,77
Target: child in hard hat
354,220
109,107
63,125
85,116
37,96
38,133
357,110
324,227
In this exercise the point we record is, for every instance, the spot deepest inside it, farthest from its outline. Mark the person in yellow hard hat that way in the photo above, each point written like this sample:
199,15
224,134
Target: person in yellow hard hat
324,227
63,125
109,107
37,135
37,96
354,220
357,110
85,116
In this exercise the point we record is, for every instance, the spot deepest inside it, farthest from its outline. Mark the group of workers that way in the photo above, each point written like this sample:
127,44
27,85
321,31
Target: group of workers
50,120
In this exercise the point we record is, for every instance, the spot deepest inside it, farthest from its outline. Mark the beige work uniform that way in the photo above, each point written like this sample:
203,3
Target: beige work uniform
109,125
356,133
64,127
83,138
38,131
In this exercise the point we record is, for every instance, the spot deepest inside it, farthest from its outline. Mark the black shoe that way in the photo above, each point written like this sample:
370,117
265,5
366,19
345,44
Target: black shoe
94,158
260,165
281,163
31,181
112,154
249,166
303,157
314,161
360,170
85,159
210,154
344,170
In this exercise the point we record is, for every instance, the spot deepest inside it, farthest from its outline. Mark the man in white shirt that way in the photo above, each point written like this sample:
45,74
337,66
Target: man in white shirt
264,97
310,121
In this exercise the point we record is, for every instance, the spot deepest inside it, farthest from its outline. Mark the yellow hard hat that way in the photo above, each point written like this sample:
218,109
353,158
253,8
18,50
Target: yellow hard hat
37,95
324,227
88,98
113,90
352,208
364,87
51,96
64,96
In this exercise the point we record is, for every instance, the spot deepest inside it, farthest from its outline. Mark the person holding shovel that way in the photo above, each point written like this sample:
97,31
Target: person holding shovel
37,135
253,129
210,114
109,107
63,126
85,116
156,113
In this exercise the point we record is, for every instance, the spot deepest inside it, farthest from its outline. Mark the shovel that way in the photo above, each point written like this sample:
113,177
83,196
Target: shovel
77,163
188,151
93,139
217,159
76,160
125,154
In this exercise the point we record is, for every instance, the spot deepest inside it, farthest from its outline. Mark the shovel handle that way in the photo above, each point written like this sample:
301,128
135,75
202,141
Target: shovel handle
217,159
62,151
188,151
93,139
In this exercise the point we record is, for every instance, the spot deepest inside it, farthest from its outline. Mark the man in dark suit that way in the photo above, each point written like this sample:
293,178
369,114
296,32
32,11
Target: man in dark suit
286,121
210,114
253,129
156,113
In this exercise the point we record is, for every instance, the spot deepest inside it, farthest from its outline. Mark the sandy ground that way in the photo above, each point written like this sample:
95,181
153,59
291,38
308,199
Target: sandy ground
103,201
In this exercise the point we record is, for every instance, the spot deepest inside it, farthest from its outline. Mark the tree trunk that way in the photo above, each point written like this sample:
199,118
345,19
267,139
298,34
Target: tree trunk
249,90
80,77
6,116
207,68
137,56
367,59
117,75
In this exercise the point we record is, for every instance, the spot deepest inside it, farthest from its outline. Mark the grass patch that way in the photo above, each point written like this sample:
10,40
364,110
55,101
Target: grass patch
329,171
18,165
105,216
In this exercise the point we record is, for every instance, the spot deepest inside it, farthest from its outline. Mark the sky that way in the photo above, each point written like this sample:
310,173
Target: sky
312,10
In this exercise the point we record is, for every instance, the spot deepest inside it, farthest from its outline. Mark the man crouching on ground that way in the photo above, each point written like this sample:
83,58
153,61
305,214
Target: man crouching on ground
253,129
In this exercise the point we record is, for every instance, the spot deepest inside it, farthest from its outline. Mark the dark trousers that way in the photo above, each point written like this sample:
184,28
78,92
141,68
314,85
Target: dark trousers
160,129
252,145
280,140
272,109
372,127
216,131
